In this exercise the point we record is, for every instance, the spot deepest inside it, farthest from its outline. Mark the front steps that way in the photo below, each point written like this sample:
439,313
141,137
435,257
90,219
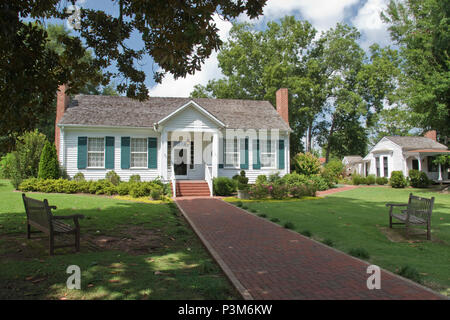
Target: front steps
192,188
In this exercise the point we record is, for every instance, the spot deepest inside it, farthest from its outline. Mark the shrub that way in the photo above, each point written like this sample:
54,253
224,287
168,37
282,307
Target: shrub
410,273
278,191
79,176
289,225
259,191
370,179
156,194
275,178
6,166
397,180
306,163
242,181
25,160
357,179
113,177
359,253
224,186
142,189
418,179
124,188
381,181
134,178
319,183
261,179
48,164
333,171
306,233
294,178
302,190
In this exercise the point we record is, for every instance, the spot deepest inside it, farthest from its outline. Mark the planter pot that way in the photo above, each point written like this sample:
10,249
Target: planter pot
243,194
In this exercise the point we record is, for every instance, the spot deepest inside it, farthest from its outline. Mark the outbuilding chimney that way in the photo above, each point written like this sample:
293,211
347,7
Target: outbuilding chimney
62,101
431,135
282,100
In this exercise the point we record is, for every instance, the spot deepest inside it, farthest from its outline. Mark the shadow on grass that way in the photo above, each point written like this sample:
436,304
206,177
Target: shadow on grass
172,264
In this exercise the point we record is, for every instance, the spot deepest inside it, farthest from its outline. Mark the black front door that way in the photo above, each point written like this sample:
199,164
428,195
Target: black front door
415,164
180,165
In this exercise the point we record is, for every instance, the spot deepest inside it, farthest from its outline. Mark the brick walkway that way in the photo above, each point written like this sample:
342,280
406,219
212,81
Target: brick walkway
335,190
265,261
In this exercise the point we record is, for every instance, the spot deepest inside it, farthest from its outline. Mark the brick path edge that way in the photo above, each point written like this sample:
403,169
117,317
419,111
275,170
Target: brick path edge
231,276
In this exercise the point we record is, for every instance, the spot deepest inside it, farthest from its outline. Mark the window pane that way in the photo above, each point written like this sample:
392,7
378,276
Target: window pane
95,159
96,144
139,145
139,160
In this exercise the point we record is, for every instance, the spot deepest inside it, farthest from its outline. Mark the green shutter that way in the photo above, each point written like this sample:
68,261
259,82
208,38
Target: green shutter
244,153
125,153
109,152
82,153
223,153
281,154
256,155
152,153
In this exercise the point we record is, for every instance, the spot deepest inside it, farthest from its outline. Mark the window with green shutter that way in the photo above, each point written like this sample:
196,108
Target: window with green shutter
281,154
109,153
82,153
152,153
125,153
244,153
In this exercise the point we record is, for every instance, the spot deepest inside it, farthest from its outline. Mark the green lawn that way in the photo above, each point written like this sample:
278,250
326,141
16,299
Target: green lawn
149,253
354,219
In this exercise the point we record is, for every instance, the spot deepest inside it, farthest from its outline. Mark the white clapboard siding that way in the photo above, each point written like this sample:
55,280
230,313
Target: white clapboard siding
71,150
189,118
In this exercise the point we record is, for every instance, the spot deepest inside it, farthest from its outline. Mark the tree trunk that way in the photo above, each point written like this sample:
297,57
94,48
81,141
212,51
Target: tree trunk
309,137
330,136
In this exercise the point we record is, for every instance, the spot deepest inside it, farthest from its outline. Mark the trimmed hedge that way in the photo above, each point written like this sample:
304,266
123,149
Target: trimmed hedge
397,180
418,179
104,186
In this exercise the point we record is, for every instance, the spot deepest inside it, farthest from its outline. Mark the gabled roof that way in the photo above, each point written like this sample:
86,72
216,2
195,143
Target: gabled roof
410,143
92,110
352,159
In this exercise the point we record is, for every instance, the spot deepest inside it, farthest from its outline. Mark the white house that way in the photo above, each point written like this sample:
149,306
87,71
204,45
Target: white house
352,164
401,153
175,139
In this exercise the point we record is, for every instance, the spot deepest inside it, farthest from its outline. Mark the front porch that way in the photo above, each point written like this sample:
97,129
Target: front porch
423,160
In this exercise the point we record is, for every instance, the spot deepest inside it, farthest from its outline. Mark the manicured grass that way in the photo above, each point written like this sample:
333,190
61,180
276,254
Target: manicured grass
154,255
352,220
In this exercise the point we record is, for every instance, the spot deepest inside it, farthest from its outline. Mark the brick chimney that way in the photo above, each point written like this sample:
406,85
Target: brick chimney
62,101
282,99
431,135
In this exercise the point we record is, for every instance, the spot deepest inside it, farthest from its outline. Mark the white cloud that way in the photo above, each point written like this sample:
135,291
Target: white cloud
182,87
322,14
369,22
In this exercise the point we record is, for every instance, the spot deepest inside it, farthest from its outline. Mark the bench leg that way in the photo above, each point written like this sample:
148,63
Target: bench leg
428,231
77,240
407,229
390,218
28,231
51,244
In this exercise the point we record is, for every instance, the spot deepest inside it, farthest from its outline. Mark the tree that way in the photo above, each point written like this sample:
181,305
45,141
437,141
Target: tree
179,35
257,63
48,164
421,29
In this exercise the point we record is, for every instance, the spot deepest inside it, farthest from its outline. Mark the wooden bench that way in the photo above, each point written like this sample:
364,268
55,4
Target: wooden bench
39,215
418,212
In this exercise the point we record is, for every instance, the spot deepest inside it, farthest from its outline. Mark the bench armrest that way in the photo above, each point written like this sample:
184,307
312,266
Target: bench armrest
74,216
396,204
52,207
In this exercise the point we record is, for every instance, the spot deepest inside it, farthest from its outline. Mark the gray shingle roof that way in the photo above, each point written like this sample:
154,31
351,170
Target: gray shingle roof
91,110
353,159
410,143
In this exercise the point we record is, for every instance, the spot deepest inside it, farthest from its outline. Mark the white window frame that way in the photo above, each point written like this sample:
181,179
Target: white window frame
264,152
97,152
236,146
138,152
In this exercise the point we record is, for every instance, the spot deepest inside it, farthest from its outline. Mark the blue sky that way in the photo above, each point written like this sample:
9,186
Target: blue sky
323,14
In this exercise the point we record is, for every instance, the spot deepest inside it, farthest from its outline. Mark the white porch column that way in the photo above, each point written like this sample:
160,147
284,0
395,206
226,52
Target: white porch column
440,172
215,155
420,162
163,157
